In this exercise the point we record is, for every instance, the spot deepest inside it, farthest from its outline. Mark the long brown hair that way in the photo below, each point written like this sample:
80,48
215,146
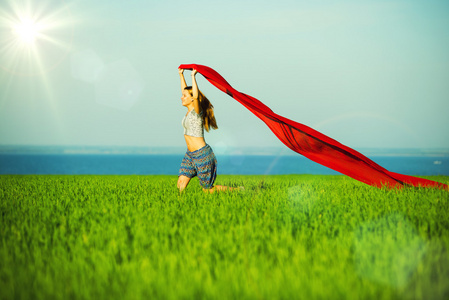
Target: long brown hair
207,108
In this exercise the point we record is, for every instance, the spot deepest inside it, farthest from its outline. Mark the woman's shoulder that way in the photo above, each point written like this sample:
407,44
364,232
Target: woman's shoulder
193,112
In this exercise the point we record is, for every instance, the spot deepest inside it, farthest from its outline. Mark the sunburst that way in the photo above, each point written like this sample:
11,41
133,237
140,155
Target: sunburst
35,36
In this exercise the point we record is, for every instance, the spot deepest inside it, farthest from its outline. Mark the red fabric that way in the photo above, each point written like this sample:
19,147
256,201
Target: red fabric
313,144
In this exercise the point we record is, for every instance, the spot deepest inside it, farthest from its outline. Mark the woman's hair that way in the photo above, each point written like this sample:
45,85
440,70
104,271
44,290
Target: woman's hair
207,108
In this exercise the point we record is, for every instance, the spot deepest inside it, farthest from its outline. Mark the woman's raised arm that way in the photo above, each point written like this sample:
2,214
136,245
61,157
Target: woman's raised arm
183,80
194,85
195,92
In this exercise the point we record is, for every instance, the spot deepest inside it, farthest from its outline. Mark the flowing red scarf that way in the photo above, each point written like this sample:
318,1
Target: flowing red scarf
313,144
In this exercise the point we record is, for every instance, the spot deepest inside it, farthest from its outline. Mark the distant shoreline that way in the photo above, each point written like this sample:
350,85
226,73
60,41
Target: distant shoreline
243,151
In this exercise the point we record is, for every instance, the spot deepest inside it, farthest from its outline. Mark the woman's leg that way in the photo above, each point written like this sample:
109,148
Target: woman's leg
186,172
206,166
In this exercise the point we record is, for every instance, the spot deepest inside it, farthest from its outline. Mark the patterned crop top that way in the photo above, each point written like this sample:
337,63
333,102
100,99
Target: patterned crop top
193,124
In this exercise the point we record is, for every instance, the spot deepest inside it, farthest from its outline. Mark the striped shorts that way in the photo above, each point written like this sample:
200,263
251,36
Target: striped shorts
201,163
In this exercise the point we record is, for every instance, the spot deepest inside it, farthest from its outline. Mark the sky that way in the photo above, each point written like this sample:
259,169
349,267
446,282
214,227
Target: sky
370,74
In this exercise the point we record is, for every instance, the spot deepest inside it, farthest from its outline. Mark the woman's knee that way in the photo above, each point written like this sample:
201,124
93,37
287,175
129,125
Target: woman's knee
183,181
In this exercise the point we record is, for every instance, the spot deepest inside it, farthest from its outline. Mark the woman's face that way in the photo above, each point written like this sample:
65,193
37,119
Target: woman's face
186,98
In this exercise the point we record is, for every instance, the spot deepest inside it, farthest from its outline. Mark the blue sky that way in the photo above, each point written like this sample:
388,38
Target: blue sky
366,73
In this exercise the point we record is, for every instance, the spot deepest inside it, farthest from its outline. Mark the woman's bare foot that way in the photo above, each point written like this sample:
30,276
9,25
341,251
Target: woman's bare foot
221,188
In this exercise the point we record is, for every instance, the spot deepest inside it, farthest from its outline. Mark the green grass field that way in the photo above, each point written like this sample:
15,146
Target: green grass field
284,237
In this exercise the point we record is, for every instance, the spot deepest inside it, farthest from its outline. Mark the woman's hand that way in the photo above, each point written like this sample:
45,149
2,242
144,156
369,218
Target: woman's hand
181,71
194,72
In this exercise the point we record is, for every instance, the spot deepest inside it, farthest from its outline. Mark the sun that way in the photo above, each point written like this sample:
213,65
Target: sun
27,31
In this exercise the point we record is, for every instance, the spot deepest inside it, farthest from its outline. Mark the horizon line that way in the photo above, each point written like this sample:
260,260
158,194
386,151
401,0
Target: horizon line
176,150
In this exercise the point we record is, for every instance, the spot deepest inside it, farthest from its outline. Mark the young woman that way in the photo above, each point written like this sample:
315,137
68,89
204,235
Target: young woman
199,159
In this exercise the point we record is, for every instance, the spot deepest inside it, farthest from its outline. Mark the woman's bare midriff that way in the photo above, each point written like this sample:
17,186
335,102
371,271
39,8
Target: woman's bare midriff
194,143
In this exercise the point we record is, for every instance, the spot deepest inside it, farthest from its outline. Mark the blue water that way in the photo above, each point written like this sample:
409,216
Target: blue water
169,164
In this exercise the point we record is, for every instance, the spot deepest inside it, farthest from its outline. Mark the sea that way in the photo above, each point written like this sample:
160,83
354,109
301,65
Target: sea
168,164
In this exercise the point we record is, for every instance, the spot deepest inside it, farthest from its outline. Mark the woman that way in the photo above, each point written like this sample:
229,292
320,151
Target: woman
199,159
